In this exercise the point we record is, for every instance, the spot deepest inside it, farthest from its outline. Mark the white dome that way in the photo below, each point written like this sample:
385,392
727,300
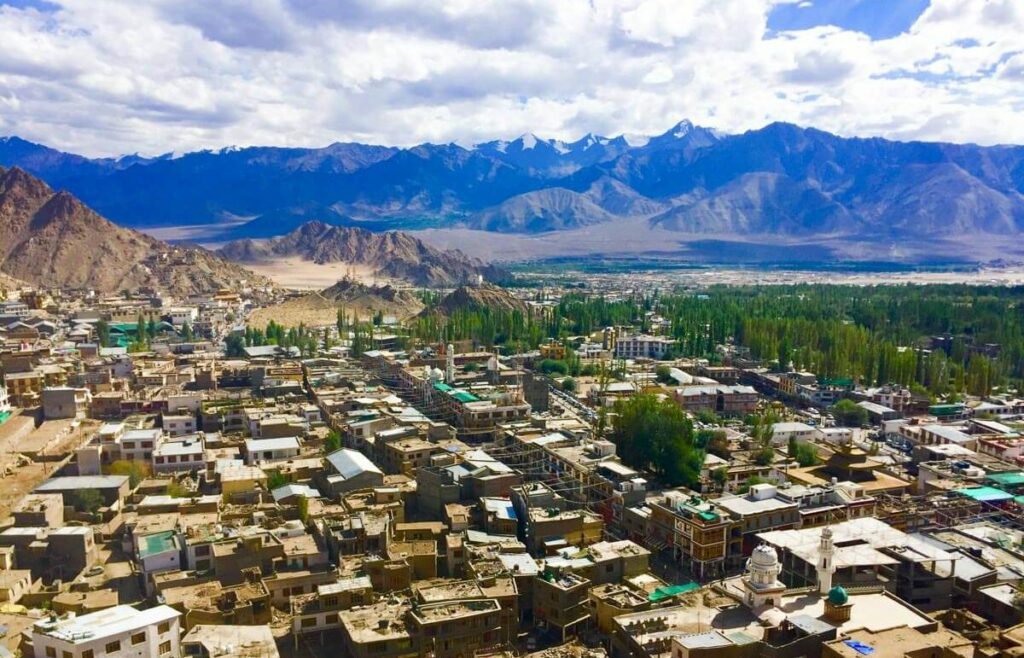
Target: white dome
436,374
764,557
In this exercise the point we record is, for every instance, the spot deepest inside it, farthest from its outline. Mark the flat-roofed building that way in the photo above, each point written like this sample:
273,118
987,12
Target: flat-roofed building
270,450
229,641
117,631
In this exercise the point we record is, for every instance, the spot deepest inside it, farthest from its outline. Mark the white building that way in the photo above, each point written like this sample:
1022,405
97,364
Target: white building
783,432
188,454
190,402
118,631
643,347
180,315
138,445
5,402
178,425
268,450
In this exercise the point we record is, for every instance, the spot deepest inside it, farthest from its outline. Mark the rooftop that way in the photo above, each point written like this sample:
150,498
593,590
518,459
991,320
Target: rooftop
105,623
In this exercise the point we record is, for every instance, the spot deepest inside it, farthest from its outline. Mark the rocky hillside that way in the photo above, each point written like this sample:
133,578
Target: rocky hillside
394,254
321,308
50,238
475,298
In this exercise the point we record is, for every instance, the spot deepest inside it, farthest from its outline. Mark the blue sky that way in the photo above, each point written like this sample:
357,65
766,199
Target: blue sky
879,19
104,77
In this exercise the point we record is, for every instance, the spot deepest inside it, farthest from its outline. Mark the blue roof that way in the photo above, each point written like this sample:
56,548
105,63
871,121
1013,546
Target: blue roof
985,494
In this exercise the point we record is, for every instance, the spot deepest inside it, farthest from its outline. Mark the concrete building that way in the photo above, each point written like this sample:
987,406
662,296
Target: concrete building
642,347
117,631
720,399
185,455
270,450
869,552
66,402
229,641
349,470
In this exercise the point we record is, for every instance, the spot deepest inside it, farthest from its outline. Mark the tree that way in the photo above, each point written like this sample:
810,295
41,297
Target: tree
140,331
753,480
804,454
663,374
176,490
719,477
103,333
276,479
707,417
136,470
849,414
87,500
302,504
186,331
548,366
764,456
715,442
333,442
234,346
656,435
569,385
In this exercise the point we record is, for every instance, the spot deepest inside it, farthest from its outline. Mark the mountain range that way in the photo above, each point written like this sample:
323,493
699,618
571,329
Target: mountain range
780,181
391,254
51,239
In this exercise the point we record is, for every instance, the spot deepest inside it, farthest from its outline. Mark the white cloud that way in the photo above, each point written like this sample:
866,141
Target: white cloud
102,77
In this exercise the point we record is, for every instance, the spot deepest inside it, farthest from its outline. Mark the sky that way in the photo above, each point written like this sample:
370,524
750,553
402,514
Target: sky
151,76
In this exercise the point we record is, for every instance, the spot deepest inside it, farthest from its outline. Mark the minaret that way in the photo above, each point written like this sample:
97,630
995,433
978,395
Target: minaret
449,374
826,561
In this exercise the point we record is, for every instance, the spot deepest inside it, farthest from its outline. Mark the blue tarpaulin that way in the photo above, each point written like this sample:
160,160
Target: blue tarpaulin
859,647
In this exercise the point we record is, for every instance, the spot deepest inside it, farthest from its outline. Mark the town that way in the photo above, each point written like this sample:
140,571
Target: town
179,483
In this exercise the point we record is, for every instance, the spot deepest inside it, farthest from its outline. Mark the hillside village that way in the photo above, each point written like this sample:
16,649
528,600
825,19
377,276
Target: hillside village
169,490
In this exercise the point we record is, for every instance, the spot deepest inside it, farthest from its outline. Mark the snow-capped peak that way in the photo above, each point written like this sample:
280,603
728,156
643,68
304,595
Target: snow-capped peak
682,129
529,140
230,149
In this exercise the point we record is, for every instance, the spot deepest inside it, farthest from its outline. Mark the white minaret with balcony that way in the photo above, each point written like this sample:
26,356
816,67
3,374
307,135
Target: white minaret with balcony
826,561
449,373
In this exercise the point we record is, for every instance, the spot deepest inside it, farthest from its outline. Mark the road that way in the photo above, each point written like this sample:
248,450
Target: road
588,414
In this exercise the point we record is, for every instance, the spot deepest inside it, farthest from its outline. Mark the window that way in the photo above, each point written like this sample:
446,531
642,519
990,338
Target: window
139,638
203,549
164,627
66,654
165,647
87,653
51,652
309,622
112,647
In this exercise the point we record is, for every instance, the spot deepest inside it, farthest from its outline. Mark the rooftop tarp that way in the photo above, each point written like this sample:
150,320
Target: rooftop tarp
1015,479
985,494
673,590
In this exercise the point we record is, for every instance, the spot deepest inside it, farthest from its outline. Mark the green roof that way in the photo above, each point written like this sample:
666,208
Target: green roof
945,409
465,396
124,327
441,386
673,590
161,542
985,494
838,596
4,415
1014,479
